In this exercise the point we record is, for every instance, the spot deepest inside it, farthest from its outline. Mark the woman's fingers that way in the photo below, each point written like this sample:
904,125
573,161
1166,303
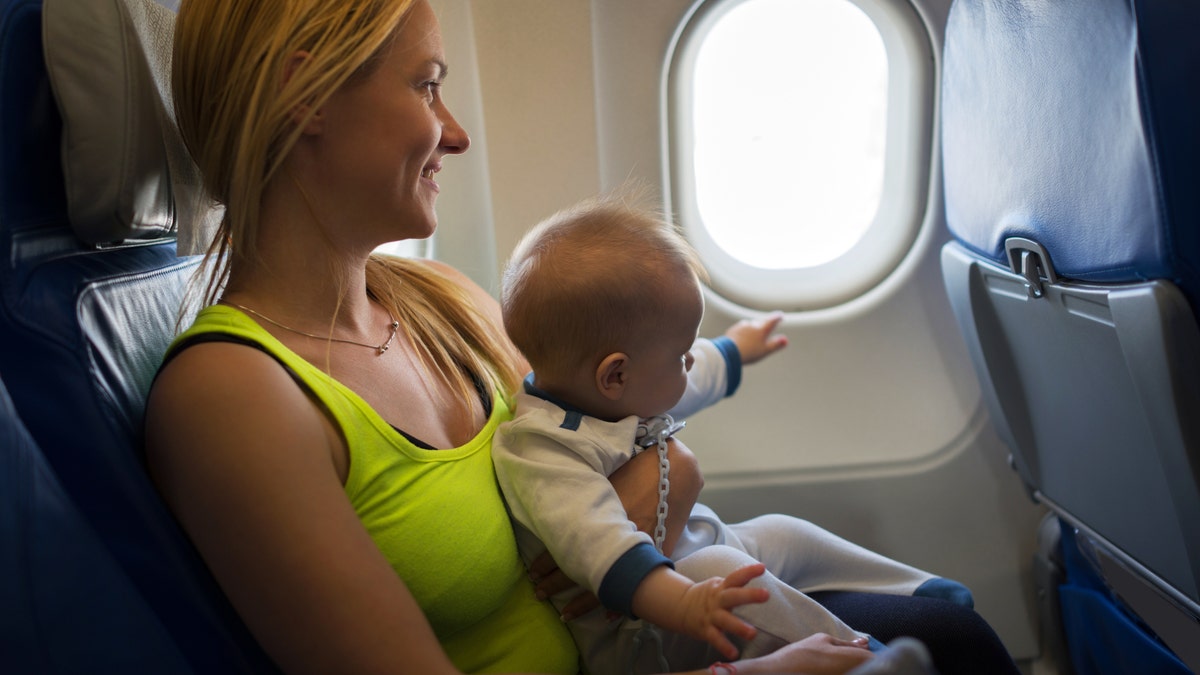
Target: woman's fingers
579,605
541,566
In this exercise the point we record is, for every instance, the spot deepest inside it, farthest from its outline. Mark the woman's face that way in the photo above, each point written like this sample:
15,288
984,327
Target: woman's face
383,137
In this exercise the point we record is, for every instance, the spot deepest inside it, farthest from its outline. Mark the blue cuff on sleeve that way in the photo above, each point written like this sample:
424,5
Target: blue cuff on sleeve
623,578
733,363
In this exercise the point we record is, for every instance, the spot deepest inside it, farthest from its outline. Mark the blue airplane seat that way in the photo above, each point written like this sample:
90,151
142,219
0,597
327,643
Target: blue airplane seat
1071,160
85,318
68,606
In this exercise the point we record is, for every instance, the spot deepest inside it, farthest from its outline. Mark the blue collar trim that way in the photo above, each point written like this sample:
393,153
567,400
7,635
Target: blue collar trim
573,416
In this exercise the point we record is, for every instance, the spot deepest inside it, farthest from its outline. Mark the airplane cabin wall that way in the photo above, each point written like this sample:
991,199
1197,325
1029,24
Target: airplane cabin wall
870,423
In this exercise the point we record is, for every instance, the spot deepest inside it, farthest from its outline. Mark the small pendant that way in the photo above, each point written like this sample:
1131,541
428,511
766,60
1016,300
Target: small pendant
384,347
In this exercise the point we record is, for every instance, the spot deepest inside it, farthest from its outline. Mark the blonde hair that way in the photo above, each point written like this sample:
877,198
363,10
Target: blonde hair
236,102
579,280
237,108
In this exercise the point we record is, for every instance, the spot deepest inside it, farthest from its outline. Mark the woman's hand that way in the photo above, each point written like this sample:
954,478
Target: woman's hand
817,654
549,580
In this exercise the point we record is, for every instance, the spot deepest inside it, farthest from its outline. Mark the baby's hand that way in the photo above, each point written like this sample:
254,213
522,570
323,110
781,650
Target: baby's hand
707,606
754,339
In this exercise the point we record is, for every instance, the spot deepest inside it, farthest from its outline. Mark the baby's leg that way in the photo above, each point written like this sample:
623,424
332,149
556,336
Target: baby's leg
786,617
814,559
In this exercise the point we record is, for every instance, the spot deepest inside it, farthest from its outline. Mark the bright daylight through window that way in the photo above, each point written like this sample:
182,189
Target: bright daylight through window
789,130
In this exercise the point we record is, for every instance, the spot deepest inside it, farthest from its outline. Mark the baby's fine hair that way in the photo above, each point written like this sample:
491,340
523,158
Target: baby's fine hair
580,282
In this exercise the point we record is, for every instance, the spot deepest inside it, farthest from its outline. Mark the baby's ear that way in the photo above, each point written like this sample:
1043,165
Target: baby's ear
611,375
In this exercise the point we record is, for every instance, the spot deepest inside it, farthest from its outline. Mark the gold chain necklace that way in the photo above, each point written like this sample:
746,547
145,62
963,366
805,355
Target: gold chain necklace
379,349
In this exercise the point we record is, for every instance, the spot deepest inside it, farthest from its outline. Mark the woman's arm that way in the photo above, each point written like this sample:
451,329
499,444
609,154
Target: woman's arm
555,485
249,465
637,484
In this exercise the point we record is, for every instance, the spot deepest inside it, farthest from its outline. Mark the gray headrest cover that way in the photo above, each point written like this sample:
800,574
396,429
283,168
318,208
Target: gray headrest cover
128,174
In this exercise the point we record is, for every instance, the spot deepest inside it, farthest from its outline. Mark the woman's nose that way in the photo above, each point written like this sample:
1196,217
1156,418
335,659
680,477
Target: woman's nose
455,140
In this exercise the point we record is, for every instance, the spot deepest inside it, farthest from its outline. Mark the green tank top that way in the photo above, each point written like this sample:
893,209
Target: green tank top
438,517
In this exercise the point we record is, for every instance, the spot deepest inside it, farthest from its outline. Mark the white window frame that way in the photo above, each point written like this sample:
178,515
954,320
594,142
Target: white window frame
907,162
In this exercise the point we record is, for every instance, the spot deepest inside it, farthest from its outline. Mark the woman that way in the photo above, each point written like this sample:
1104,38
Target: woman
323,430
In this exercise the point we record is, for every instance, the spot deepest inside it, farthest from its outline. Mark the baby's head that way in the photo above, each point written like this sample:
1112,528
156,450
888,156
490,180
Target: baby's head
604,300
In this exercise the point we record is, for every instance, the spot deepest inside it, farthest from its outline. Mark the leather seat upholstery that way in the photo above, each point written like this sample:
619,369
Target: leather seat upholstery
82,332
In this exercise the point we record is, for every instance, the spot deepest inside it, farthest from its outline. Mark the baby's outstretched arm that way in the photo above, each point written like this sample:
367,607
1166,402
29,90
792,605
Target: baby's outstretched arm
755,339
702,610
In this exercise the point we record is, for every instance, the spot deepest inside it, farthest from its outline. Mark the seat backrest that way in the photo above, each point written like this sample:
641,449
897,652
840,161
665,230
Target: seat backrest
1074,124
83,327
1071,159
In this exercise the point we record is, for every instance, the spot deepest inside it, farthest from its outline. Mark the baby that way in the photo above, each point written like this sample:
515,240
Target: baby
604,300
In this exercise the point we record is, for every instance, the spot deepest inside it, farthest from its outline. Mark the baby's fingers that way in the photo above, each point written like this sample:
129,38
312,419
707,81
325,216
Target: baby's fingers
744,575
769,323
755,339
727,623
734,597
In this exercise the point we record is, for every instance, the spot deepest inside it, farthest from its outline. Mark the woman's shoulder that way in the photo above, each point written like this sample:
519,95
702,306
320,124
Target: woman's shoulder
221,367
216,377
449,272
441,267
217,400
479,296
429,270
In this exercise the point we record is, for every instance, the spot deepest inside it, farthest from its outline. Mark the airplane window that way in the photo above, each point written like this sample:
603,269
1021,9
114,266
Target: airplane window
793,129
829,159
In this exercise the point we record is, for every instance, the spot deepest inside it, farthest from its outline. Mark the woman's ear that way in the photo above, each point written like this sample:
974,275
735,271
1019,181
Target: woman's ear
302,113
611,376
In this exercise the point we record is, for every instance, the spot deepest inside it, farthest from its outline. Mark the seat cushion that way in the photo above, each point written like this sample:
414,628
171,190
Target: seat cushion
68,607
